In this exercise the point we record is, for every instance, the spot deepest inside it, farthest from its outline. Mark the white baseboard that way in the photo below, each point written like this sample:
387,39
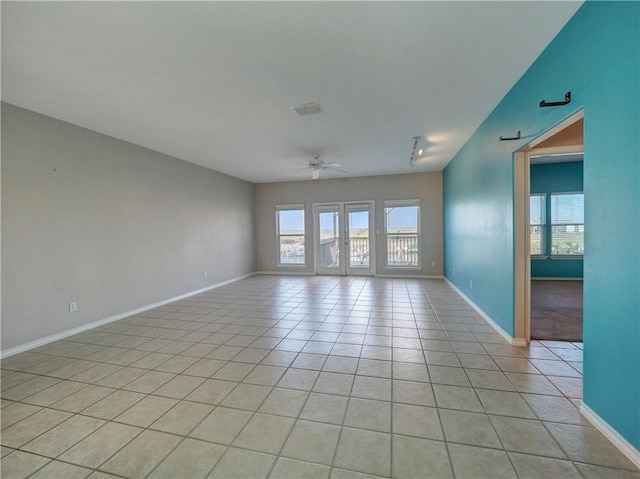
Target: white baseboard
409,276
513,341
610,433
284,273
306,273
101,322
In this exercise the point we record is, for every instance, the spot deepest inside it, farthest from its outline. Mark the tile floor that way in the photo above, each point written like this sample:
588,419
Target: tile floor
301,377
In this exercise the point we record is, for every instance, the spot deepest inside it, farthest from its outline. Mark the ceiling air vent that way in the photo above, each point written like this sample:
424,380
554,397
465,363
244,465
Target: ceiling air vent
307,109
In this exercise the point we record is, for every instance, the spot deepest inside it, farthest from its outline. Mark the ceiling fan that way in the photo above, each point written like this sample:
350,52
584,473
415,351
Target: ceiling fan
316,165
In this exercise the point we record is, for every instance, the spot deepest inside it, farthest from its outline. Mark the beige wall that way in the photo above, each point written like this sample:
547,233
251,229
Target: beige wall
109,225
427,187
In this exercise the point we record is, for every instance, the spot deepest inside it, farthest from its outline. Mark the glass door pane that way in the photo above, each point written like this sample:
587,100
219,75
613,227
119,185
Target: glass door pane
358,238
329,251
343,240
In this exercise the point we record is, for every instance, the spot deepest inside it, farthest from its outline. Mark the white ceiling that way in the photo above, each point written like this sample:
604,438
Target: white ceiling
213,82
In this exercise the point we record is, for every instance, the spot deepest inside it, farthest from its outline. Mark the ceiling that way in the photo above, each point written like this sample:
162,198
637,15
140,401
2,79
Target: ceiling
566,146
212,83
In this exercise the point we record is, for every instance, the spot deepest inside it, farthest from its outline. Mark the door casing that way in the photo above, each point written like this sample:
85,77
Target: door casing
522,253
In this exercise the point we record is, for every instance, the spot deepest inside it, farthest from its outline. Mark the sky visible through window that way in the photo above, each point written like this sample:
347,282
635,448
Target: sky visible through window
359,220
402,218
567,208
291,221
327,221
537,207
399,218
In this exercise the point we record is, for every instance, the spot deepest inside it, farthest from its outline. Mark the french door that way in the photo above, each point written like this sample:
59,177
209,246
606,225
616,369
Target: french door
344,244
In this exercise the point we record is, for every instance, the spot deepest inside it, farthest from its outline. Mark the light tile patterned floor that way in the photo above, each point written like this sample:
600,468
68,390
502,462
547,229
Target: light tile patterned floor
301,377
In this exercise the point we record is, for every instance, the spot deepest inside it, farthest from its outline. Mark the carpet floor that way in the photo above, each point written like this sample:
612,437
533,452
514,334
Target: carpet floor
556,310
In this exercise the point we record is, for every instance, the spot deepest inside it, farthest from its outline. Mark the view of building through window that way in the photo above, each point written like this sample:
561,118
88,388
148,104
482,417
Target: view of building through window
556,224
567,223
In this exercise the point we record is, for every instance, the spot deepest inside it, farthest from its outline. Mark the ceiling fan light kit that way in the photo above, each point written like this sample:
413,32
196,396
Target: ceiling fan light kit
316,165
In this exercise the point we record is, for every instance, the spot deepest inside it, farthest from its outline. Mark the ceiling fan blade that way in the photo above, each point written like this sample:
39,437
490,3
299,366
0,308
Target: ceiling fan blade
332,164
339,169
303,168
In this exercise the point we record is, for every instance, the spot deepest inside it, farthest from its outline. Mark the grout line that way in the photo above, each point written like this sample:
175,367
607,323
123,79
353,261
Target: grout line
342,311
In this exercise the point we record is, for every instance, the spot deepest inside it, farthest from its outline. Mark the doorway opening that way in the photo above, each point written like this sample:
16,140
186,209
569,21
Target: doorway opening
549,235
343,239
556,246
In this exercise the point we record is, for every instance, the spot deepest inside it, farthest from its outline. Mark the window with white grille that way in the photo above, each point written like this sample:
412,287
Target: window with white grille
402,232
537,223
290,234
567,224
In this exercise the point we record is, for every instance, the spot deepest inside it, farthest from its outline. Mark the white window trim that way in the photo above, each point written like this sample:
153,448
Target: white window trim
391,204
290,207
410,202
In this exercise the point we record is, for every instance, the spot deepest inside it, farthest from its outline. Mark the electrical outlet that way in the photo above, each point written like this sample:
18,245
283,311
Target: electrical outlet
471,283
206,275
433,264
73,307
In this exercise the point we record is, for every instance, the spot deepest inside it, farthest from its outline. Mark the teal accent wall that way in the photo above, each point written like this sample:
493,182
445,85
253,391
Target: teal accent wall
596,56
556,178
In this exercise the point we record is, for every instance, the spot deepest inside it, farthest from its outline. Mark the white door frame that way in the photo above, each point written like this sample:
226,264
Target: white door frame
522,253
344,267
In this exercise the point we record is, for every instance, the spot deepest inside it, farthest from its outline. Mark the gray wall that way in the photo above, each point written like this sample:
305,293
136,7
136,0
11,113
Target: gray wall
108,224
427,187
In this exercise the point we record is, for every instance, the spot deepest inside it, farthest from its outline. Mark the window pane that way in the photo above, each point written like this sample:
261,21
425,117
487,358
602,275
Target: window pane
537,209
358,239
567,239
291,249
329,224
291,236
402,219
291,222
567,219
402,235
329,256
537,220
567,208
536,235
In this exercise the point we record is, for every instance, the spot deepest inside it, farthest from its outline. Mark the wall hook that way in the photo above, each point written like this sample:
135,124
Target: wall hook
517,137
567,99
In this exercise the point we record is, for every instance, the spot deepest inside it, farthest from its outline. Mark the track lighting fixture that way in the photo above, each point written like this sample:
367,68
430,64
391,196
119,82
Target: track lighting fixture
416,152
